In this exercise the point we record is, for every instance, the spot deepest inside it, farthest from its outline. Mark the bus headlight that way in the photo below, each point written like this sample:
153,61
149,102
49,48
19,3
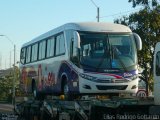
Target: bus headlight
88,77
134,87
133,77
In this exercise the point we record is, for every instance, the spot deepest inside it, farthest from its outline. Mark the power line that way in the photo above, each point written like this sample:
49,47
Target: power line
94,3
119,13
98,16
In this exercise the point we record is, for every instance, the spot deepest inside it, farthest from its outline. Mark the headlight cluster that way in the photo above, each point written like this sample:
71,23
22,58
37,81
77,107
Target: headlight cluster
113,80
88,77
133,77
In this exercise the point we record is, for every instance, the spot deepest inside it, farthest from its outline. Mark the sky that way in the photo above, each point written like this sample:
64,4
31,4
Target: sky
23,20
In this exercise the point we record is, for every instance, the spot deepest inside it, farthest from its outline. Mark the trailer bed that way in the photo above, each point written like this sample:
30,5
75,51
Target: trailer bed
94,109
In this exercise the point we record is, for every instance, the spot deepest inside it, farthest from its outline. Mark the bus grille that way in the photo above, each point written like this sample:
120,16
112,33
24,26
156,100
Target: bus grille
111,81
102,87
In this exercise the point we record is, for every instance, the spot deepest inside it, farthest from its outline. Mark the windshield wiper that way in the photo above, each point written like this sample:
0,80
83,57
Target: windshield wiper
100,63
114,50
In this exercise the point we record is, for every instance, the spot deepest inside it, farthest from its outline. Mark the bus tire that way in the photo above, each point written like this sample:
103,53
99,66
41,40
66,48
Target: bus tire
67,95
37,95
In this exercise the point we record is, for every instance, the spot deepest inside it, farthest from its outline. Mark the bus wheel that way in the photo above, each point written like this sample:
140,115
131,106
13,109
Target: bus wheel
36,94
67,95
34,90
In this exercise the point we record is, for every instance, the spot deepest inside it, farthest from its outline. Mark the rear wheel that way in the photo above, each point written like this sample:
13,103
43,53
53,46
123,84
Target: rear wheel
37,95
34,90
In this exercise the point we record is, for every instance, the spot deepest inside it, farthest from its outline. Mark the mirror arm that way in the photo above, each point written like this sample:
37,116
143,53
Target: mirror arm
138,41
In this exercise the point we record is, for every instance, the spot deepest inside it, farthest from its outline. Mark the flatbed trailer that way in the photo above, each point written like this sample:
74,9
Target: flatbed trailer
94,109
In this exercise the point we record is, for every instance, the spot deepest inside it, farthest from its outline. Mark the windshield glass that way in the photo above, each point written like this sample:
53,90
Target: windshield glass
107,52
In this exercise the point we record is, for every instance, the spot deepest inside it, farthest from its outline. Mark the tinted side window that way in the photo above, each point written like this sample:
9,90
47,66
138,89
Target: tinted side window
28,54
23,55
60,45
69,39
50,47
34,52
42,50
158,64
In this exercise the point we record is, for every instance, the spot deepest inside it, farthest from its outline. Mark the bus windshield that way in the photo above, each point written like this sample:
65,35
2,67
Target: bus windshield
103,52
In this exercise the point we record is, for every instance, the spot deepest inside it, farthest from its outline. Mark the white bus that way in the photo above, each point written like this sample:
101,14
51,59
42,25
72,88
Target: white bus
81,58
156,74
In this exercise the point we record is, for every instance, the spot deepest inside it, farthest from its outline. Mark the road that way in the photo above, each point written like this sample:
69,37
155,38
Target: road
6,108
6,112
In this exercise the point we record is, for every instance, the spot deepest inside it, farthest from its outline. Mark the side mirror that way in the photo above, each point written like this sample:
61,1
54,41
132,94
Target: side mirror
138,41
77,39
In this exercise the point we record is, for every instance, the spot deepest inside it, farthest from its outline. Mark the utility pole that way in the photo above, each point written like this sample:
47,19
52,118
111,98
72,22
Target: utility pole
98,10
0,61
5,65
97,14
10,60
14,70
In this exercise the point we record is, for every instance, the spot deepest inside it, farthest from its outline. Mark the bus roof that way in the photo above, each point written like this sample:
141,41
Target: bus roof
84,26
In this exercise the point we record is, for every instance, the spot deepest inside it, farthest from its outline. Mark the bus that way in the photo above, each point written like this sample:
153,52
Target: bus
81,58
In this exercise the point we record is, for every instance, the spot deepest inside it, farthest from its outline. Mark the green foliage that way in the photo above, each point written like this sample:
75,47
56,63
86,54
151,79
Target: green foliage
145,3
6,85
146,23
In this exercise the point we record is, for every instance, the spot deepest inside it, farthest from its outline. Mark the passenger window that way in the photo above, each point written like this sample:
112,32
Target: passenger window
60,45
42,50
23,55
34,52
28,54
50,47
158,64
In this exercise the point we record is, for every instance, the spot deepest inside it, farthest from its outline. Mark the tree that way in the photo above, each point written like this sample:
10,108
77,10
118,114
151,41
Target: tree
6,85
145,3
146,23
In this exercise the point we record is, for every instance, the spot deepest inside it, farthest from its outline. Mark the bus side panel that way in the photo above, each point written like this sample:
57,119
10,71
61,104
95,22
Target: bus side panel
72,77
23,79
47,81
44,74
50,76
27,74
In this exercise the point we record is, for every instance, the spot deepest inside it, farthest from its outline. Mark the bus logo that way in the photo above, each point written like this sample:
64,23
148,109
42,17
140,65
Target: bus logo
113,80
127,74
